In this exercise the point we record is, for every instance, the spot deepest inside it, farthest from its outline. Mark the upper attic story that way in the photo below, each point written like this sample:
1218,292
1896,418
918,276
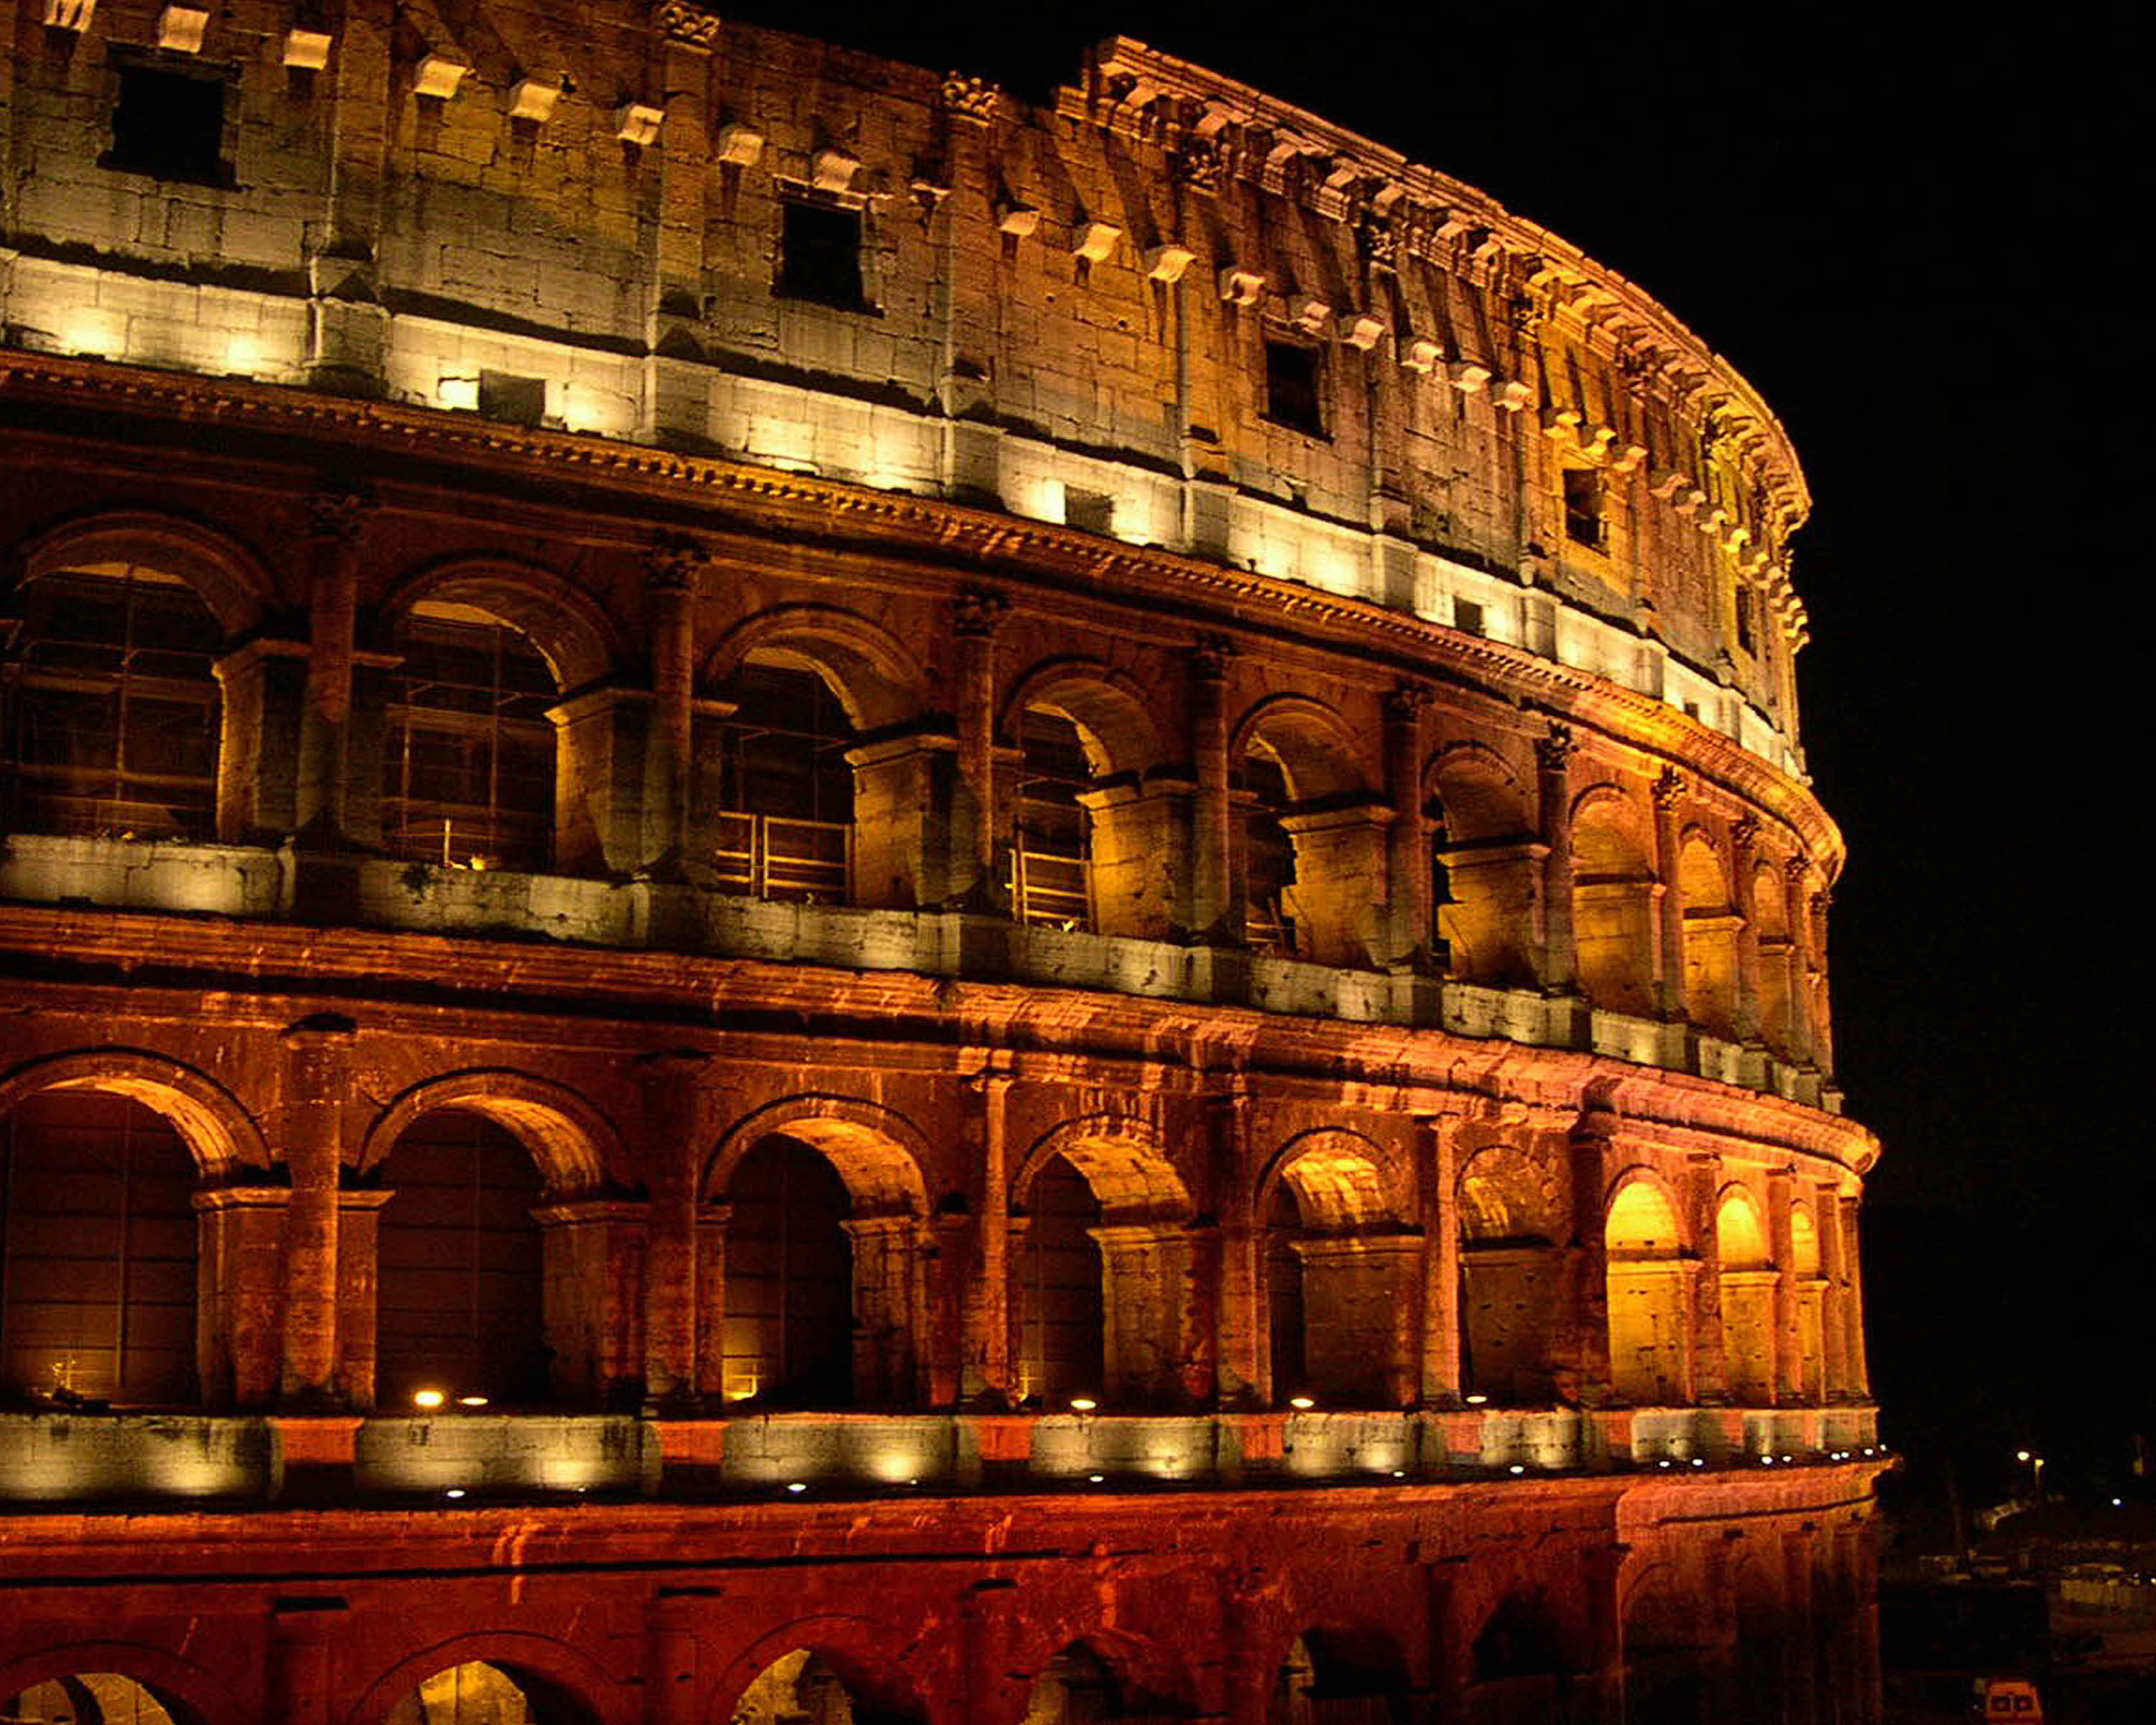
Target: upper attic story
659,226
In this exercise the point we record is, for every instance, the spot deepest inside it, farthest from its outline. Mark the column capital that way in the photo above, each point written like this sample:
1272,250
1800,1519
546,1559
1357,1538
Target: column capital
671,565
978,611
338,515
1210,656
1555,748
1669,789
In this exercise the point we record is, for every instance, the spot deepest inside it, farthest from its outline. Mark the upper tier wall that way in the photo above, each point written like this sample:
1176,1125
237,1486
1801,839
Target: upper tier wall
1171,308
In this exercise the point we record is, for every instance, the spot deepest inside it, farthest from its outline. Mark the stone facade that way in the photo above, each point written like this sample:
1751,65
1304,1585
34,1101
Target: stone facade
821,895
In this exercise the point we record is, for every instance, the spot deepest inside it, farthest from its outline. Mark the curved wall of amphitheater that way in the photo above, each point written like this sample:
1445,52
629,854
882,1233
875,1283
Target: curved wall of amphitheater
823,896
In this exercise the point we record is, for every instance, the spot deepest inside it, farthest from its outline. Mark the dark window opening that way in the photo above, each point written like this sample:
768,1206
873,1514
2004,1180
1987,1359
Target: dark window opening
113,727
789,1317
1582,506
1291,388
169,125
1467,617
819,255
1748,624
511,400
1269,857
785,795
1051,862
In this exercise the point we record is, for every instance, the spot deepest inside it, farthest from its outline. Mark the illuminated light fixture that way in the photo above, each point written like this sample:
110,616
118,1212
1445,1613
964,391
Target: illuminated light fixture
1302,1404
1477,1401
471,1401
1518,1467
1083,1405
1787,1460
1399,1473
460,394
796,1485
1699,1462
427,1399
2118,1503
1096,1478
913,1482
1664,1462
2019,1455
454,1492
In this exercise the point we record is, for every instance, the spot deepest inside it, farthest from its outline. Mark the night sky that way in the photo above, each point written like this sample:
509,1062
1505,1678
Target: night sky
1911,227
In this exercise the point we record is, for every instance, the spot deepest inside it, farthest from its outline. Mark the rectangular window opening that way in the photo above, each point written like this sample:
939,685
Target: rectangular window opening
1748,624
511,400
1582,506
1467,617
819,255
169,123
1292,392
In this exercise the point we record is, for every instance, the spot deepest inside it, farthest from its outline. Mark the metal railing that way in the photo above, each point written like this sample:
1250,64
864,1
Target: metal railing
778,857
1051,891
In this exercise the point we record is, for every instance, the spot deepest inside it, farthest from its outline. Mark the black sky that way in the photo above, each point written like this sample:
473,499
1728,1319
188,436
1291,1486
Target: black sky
1912,228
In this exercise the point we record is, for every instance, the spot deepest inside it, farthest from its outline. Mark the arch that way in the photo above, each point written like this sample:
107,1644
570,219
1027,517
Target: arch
877,679
1740,1235
1510,1276
1120,1158
1138,1680
880,1155
575,1146
1641,1216
1110,711
1482,795
1612,903
218,1132
868,1662
1484,866
1702,880
1711,931
1320,754
581,1680
1804,1242
1665,1671
1342,1180
185,1689
566,626
1519,1637
230,577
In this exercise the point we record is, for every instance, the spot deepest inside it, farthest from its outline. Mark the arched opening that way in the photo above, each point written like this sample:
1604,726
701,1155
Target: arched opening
1613,910
1748,1300
1313,837
1062,1324
1648,1362
460,1294
1810,1374
1079,1687
789,1280
1711,928
1052,850
1340,1272
478,1693
780,785
1510,1280
1665,1677
92,1698
113,709
1520,1672
1770,917
468,764
97,1252
1336,1676
1483,875
798,1688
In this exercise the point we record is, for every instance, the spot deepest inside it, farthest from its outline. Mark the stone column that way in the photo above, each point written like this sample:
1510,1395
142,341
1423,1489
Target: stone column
671,1654
1743,859
239,1345
1859,1367
1583,1377
1789,1363
1605,1641
1359,1293
1709,1351
993,1692
675,1135
670,587
967,292
1437,1179
1339,863
1560,962
317,1054
359,1232
711,1220
1216,905
262,687
885,1252
1145,1277
978,612
987,1372
676,407
905,814
592,1254
1248,1610
1797,897
1242,1345
327,787
348,326
1822,1010
304,1634
601,737
1833,1318
1669,899
1411,936
1800,1622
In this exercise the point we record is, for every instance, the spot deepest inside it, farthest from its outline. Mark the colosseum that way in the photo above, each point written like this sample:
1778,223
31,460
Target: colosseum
824,900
